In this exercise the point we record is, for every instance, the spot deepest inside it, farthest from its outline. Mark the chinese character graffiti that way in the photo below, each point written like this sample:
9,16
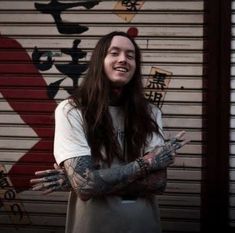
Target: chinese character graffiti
10,200
74,68
156,86
158,81
127,9
55,8
42,65
131,5
154,97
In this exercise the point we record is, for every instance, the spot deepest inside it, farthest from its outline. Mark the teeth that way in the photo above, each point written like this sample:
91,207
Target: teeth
121,69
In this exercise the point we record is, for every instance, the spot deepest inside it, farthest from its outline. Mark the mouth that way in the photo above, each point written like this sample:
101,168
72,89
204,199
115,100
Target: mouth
121,69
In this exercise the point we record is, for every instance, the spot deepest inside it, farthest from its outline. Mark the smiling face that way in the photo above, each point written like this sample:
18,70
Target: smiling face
119,63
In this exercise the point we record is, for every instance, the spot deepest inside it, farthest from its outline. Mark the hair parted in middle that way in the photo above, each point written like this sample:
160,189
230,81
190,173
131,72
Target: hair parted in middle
92,97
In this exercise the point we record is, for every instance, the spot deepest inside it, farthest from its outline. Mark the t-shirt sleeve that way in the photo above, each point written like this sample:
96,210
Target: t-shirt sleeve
157,139
69,139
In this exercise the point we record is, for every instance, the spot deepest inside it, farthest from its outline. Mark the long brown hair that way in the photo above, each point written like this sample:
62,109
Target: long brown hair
92,98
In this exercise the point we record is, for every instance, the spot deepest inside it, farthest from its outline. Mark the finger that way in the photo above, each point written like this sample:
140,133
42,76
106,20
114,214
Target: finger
45,179
38,187
46,172
45,185
52,178
180,135
49,185
178,144
57,167
35,181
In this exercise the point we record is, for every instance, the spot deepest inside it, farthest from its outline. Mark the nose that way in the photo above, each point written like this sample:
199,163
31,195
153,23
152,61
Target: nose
122,57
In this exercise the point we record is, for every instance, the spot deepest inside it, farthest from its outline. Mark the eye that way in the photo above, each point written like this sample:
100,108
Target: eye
114,53
130,56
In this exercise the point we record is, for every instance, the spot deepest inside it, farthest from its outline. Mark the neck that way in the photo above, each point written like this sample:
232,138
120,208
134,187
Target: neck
116,94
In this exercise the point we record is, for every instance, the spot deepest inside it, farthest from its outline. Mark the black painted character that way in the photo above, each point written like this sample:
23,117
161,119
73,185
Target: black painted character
131,5
55,8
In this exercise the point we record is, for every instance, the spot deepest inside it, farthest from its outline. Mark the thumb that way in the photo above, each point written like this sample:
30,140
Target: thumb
56,166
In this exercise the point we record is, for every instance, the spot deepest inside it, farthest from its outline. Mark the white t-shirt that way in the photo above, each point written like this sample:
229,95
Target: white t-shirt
107,214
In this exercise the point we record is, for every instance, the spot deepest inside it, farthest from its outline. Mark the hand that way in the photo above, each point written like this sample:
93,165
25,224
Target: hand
51,180
161,157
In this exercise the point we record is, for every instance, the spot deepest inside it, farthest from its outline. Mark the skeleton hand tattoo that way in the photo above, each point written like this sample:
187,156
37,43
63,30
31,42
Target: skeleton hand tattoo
163,156
51,180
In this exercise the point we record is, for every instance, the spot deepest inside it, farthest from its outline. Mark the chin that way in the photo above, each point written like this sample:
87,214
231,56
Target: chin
119,83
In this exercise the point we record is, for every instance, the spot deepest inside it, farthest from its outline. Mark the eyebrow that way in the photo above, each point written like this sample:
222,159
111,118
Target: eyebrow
118,48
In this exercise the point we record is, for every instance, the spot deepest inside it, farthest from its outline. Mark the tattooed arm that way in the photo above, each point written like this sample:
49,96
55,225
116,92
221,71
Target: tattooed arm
87,181
56,180
120,180
154,183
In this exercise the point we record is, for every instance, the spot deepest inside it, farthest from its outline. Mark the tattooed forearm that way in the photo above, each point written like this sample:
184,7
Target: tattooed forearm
154,183
57,180
88,182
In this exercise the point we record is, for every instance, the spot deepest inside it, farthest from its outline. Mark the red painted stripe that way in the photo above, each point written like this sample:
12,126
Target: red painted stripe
32,97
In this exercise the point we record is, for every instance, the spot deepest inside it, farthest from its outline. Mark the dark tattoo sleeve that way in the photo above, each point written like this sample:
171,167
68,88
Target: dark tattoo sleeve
87,182
154,183
163,156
